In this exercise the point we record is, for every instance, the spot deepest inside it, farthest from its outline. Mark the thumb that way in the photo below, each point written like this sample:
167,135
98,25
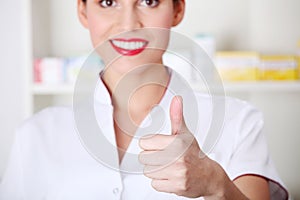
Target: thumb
176,115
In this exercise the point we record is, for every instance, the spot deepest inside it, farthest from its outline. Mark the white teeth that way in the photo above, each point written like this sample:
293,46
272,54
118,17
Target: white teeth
132,45
129,45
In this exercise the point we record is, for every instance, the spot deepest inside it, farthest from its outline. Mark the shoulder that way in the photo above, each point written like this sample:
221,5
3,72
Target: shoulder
50,133
47,121
49,116
227,122
233,109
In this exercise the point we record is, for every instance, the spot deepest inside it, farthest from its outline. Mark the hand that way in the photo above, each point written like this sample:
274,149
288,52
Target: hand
175,163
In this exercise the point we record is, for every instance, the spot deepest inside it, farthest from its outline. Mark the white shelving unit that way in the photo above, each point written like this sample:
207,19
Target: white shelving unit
263,86
233,87
57,89
45,95
56,31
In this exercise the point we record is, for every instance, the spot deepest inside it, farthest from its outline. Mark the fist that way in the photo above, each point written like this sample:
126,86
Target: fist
172,161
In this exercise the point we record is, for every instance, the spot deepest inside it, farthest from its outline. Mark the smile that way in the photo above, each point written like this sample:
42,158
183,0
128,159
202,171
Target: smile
129,47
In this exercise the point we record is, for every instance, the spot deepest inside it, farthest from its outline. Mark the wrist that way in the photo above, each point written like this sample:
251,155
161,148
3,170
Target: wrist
223,184
231,191
225,188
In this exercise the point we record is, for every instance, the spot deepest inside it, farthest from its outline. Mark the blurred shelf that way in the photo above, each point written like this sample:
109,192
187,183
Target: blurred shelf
53,89
257,86
263,86
232,87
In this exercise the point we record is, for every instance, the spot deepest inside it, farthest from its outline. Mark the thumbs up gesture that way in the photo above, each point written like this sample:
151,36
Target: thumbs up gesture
176,116
173,162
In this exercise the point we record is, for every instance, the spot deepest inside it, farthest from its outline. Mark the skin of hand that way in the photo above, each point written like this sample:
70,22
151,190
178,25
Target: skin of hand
176,164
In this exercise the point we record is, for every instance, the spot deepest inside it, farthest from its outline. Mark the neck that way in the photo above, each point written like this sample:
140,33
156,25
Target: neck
137,91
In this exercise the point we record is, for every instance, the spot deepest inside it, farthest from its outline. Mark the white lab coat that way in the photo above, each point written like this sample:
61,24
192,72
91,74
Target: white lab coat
50,162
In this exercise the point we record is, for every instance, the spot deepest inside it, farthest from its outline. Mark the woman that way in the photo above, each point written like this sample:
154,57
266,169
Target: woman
49,162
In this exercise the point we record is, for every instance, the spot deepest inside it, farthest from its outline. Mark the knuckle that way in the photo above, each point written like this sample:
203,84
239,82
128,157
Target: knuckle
184,173
180,144
181,189
186,159
184,186
146,171
181,166
141,157
155,185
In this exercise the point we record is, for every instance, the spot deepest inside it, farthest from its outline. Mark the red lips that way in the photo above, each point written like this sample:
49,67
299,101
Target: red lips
129,47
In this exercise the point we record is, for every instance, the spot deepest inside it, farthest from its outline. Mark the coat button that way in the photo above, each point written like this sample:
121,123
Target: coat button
116,191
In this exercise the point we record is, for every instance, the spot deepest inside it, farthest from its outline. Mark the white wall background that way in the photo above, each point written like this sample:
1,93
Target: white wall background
268,26
56,29
15,59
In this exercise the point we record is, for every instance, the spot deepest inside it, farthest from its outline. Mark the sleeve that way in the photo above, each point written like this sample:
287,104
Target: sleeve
251,156
11,186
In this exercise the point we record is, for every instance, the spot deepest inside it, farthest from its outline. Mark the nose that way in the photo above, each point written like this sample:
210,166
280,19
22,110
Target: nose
129,19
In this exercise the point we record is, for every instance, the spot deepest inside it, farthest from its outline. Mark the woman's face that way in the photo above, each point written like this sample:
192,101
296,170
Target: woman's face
121,24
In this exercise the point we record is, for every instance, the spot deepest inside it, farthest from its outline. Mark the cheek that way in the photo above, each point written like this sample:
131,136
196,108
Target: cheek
162,20
164,23
98,28
168,22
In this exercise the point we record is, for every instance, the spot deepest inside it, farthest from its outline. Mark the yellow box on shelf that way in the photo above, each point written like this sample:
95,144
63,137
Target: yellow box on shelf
278,67
237,65
298,59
